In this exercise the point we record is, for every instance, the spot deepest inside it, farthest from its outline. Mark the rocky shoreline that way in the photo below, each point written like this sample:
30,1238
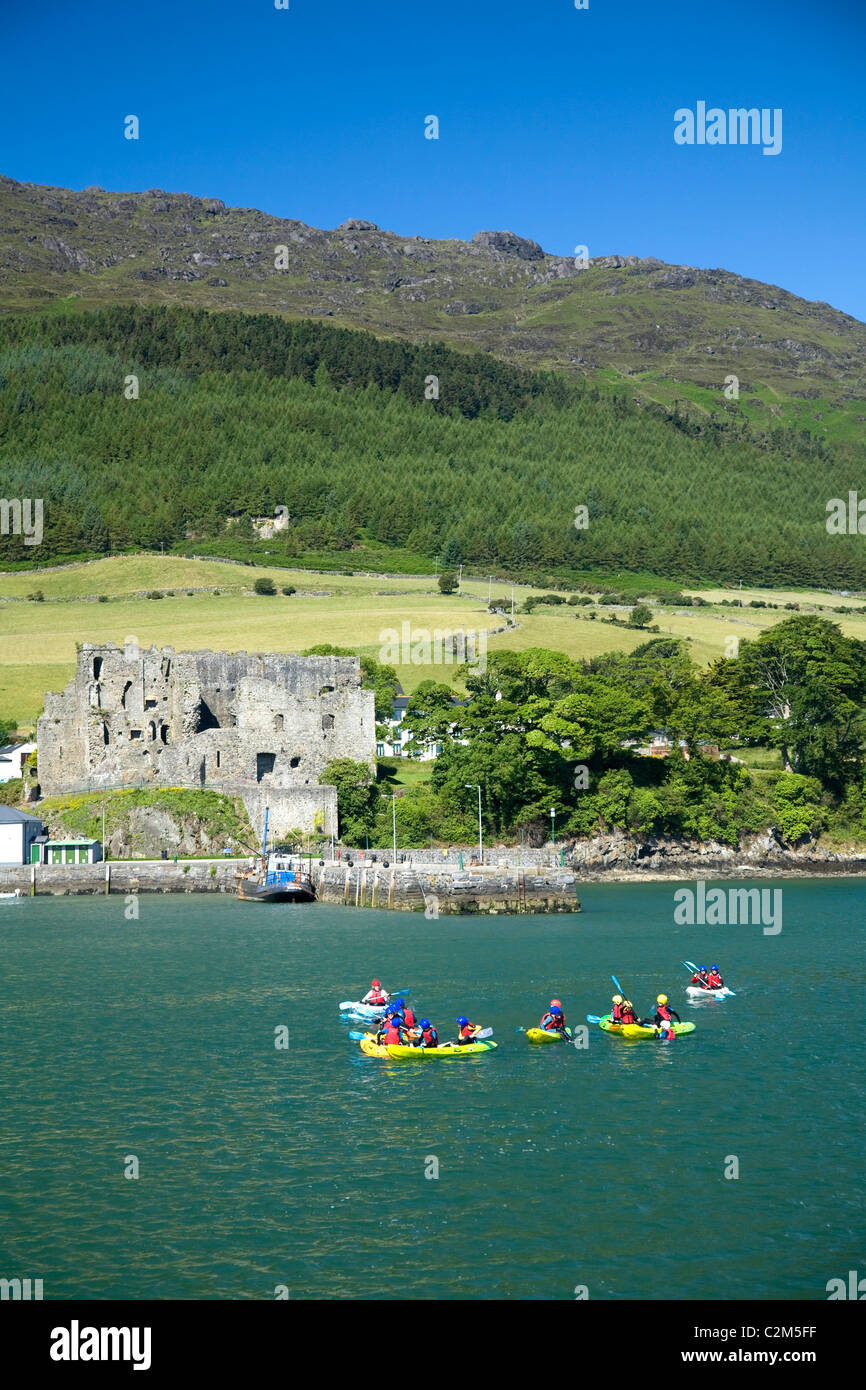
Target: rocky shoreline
619,857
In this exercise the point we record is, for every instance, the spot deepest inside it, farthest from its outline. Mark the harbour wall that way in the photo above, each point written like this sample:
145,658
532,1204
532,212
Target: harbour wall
433,889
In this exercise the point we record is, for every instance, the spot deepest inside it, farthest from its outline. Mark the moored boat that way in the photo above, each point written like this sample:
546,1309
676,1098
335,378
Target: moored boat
280,878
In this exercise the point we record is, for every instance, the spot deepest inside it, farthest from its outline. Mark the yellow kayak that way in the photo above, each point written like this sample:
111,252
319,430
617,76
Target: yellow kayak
547,1035
370,1048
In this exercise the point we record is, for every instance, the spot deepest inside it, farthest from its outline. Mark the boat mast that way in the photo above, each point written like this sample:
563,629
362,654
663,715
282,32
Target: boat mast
265,838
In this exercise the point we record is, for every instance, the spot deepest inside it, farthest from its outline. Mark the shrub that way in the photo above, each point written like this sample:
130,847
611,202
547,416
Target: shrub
289,589
155,593
448,582
640,615
265,586
103,598
37,596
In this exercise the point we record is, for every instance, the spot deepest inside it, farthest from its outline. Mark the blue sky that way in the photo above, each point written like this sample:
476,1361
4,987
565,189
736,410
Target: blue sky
554,122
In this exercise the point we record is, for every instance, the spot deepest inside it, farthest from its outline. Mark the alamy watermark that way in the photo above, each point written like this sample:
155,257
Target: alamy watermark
736,906
22,516
421,647
736,126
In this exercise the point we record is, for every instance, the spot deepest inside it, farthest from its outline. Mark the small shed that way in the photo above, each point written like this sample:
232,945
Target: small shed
17,833
73,851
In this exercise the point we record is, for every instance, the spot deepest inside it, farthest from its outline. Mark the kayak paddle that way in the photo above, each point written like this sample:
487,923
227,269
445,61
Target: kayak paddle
619,988
593,1018
484,1033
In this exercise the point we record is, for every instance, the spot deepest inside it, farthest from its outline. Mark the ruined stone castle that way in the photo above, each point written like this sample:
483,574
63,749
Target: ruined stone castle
259,726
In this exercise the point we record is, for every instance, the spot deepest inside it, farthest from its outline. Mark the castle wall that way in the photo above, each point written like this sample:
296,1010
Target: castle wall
263,726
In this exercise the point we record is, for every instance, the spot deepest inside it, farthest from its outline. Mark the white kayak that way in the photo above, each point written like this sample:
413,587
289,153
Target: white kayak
358,1010
698,990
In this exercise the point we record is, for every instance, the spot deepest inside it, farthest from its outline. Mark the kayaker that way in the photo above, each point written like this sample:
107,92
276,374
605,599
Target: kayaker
714,979
664,1013
554,1020
701,977
393,1032
666,1031
406,1011
376,994
627,1012
465,1031
552,1015
616,1011
429,1036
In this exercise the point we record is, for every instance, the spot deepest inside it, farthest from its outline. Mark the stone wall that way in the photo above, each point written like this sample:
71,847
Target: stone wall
433,891
262,726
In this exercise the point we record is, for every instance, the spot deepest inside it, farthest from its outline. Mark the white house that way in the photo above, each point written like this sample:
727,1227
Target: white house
395,746
12,755
17,833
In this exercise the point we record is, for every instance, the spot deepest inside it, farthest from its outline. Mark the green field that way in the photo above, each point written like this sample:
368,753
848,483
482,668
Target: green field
38,640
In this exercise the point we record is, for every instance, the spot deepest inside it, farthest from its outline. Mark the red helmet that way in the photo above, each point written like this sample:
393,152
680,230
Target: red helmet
376,985
556,1003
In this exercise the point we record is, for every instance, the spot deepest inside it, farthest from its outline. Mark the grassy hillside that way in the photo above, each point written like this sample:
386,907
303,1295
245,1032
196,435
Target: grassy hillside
238,416
37,639
659,331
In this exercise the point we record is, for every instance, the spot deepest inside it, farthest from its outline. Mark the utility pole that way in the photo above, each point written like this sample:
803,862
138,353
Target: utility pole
512,603
394,820
460,581
489,589
103,830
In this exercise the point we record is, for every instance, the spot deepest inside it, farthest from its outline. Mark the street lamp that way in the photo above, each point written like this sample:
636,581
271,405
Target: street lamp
469,786
553,824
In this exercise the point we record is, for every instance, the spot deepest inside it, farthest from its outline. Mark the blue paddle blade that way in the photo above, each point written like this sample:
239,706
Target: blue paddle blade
356,1037
619,988
593,1018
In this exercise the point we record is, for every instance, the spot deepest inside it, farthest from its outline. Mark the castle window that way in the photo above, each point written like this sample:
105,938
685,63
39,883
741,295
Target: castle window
278,722
166,668
264,765
105,734
150,704
294,762
327,721
135,733
163,733
97,667
126,688
151,730
218,757
326,690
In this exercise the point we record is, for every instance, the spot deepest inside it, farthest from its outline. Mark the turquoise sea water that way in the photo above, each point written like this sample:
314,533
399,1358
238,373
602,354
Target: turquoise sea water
306,1168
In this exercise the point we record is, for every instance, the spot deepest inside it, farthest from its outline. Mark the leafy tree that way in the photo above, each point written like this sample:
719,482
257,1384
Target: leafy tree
448,582
802,685
798,806
357,797
265,586
640,615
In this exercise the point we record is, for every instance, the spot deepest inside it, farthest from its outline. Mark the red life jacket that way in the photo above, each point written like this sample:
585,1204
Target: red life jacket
616,1016
628,1016
409,1018
697,979
467,1031
377,997
430,1037
715,980
664,1011
392,1036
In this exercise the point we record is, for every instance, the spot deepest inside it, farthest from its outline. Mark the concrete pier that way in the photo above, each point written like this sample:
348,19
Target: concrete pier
433,889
